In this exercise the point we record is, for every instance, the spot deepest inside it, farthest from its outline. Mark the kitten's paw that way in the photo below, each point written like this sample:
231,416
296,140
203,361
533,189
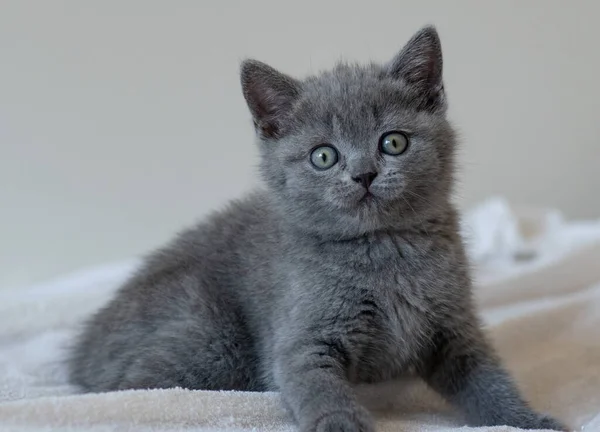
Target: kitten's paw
547,422
345,421
537,421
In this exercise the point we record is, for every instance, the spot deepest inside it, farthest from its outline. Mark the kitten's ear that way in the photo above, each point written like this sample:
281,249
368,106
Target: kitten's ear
269,95
419,64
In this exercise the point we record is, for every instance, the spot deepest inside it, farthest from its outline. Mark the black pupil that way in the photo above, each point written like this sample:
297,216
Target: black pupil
394,144
324,157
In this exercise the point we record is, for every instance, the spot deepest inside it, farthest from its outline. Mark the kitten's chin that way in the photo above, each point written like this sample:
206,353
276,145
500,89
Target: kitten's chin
368,198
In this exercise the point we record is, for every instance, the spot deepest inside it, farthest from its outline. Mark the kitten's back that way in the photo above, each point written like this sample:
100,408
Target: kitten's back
205,278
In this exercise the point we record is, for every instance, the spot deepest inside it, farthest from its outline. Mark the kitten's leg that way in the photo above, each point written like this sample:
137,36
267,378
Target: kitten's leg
311,374
466,371
196,345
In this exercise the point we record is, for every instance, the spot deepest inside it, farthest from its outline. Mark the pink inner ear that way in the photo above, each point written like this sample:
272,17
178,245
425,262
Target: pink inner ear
270,102
267,109
420,61
421,69
269,105
268,130
269,94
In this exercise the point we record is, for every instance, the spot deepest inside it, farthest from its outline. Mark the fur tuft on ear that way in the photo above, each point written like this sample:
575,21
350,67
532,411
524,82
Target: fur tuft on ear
419,64
269,95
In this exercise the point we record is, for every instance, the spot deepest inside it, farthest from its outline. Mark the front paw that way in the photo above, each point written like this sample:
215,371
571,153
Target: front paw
546,422
344,421
532,420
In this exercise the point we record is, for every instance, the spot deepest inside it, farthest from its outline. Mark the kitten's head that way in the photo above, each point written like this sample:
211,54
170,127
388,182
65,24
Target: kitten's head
359,148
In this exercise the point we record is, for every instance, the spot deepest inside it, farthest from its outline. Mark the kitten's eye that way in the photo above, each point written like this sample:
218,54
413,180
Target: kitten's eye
393,143
324,157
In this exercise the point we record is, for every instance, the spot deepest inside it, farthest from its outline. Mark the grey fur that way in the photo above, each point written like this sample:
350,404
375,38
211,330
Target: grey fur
307,287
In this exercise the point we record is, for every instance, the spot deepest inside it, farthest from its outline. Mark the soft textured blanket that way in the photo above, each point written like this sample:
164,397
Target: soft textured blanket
538,286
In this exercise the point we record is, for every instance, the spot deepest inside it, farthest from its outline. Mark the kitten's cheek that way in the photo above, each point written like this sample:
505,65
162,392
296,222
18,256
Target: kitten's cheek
387,192
337,197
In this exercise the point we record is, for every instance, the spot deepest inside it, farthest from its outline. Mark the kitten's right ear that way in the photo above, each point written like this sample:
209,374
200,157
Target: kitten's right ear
419,64
269,95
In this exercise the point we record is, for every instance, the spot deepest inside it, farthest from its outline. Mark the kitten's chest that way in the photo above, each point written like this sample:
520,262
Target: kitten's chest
385,292
396,331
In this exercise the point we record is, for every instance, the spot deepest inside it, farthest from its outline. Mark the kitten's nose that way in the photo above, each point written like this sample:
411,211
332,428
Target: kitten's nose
365,179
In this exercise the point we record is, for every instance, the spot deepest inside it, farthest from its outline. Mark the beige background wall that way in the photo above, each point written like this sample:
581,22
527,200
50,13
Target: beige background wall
122,120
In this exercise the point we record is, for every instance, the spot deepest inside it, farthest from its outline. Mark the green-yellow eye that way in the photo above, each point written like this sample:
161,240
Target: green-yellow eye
394,143
324,157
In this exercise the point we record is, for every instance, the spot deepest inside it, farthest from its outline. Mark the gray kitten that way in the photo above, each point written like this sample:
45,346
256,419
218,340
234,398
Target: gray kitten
347,269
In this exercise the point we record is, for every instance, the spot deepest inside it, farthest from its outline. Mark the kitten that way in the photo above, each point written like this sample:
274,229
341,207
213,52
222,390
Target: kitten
348,268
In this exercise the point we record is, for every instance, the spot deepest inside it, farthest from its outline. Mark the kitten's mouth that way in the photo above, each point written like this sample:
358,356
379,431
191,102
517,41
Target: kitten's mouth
367,198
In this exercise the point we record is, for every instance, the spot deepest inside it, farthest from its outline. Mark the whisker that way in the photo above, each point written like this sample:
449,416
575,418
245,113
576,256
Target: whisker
418,217
416,195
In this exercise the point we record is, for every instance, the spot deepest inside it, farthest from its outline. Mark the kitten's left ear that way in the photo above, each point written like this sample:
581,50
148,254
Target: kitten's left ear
419,64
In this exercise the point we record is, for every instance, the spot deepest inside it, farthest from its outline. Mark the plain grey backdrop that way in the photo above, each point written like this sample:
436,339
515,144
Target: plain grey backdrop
111,112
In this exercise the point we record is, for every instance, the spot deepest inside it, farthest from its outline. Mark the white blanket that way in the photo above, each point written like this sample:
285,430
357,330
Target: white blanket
538,286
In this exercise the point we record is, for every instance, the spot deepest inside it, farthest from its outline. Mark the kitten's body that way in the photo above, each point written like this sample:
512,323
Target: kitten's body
386,330
310,286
